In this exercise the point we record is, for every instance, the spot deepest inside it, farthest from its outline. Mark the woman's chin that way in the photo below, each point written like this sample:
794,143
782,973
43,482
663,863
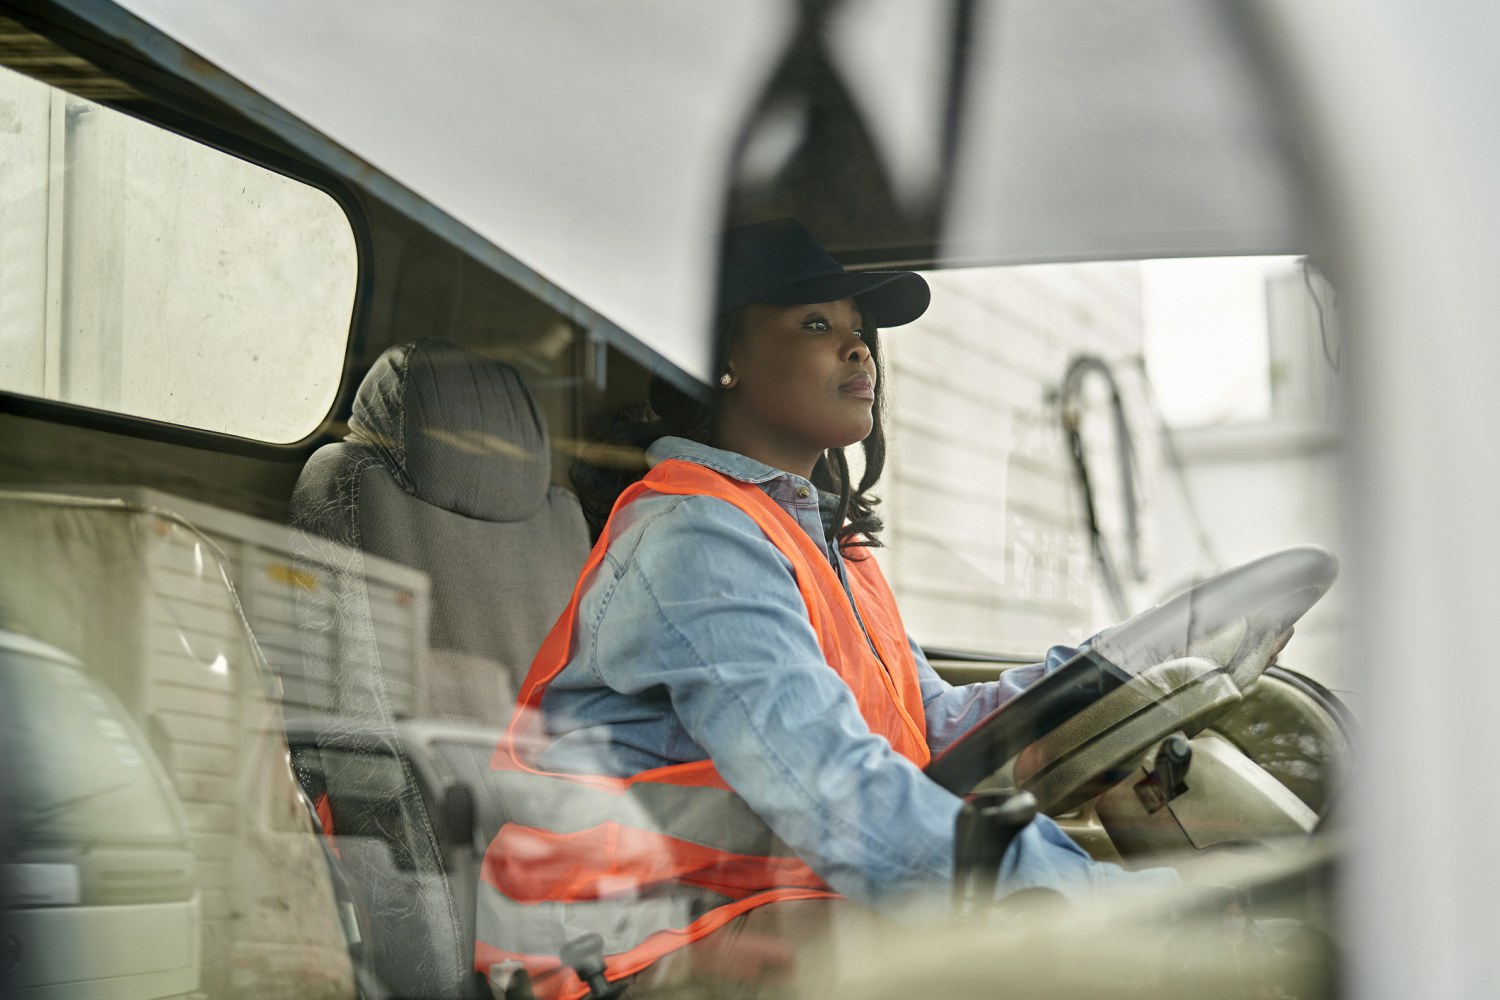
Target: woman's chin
855,436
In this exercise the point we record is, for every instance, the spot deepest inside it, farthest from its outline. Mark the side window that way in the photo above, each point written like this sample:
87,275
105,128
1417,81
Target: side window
145,274
1227,377
1241,341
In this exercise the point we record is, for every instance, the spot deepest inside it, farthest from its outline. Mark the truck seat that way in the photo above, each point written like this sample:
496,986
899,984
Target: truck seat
446,469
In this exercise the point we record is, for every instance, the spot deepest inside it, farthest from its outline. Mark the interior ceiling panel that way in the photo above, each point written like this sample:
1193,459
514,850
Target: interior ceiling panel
598,143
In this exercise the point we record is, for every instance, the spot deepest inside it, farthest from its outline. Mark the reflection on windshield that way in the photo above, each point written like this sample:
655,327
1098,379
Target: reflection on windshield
29,821
76,769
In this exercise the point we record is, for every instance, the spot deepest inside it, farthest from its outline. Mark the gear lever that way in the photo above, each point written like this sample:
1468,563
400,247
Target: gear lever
986,825
585,956
1174,755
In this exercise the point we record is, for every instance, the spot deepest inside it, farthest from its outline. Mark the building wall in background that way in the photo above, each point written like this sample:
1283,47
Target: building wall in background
987,544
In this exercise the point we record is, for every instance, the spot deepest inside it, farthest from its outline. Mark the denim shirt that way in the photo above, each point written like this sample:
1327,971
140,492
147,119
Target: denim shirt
693,642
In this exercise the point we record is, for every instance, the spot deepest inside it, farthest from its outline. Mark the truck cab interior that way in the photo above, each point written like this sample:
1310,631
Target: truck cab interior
285,433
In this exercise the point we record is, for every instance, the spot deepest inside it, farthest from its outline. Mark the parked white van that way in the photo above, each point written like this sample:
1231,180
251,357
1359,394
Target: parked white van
99,871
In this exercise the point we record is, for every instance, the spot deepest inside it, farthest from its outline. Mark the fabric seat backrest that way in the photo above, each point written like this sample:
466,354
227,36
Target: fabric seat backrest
446,468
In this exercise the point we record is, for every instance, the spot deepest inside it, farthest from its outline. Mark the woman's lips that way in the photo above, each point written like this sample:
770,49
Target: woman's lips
860,387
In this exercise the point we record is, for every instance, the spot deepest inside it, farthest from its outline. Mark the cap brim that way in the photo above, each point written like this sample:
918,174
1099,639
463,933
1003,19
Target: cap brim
889,298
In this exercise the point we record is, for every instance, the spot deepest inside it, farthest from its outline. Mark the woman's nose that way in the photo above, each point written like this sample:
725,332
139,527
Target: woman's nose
858,351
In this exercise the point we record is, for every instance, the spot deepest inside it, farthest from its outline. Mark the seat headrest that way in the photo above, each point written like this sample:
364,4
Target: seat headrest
456,430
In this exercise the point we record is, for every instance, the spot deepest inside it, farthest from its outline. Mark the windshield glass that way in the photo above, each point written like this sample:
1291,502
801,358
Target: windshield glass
97,784
1014,341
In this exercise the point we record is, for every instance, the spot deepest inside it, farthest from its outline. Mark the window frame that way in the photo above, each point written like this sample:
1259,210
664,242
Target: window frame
189,123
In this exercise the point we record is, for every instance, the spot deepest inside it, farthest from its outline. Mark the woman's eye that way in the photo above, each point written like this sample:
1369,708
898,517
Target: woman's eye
818,325
860,333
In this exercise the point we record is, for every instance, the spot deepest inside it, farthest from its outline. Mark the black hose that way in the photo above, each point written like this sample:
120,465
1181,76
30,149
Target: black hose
1080,368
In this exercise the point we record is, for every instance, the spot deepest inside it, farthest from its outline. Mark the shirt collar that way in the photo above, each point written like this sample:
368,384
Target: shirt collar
730,463
746,470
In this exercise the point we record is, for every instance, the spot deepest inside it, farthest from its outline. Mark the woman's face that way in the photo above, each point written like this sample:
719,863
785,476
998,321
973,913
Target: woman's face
802,382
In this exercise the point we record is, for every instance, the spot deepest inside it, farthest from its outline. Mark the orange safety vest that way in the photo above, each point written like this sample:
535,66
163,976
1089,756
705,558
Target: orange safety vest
658,860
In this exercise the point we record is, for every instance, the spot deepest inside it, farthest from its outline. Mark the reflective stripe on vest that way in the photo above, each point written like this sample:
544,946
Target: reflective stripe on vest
658,860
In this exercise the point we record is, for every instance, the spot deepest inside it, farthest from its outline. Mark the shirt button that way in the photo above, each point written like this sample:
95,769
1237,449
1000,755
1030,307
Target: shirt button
803,493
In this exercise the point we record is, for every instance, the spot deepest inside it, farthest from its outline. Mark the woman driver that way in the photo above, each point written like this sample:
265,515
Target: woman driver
728,723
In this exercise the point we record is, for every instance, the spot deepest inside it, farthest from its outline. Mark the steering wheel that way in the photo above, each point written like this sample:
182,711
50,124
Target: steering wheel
1173,667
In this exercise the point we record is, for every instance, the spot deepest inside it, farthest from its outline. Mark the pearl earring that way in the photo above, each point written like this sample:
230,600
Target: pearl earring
725,379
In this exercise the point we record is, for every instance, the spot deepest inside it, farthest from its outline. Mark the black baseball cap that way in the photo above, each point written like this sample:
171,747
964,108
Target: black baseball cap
779,262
